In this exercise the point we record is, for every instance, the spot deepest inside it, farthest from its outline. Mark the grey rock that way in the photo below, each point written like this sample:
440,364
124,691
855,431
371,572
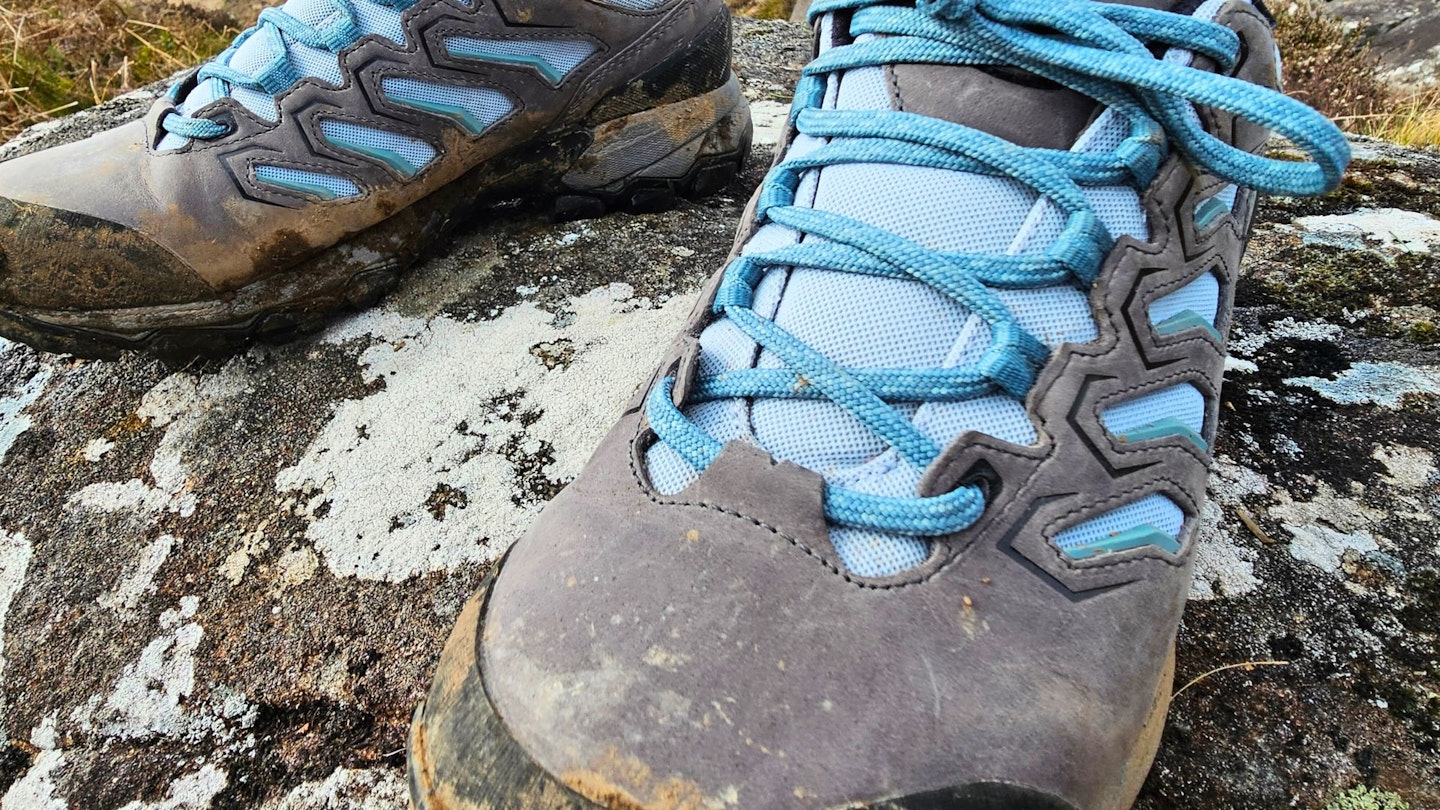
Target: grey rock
225,585
1406,33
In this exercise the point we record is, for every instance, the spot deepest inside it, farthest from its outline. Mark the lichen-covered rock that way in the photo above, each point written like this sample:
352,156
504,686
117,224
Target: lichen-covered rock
1406,34
225,585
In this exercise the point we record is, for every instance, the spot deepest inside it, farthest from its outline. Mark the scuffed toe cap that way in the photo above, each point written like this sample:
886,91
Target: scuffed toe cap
461,757
52,259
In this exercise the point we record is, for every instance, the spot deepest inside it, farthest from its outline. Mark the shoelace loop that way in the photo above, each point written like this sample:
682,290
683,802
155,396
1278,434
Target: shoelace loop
1099,49
279,74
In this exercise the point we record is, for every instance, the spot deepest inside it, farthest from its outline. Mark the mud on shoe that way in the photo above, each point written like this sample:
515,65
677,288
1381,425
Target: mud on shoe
907,518
301,170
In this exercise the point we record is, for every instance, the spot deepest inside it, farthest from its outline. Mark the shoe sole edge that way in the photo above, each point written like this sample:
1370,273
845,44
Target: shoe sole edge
715,127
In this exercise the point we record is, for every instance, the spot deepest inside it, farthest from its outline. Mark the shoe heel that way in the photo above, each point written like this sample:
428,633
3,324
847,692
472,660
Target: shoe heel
646,161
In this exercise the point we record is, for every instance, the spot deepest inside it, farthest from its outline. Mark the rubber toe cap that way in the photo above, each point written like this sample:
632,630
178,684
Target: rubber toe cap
51,259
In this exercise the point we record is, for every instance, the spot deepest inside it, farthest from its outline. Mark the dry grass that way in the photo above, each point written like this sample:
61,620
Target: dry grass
1413,119
762,9
58,56
1333,69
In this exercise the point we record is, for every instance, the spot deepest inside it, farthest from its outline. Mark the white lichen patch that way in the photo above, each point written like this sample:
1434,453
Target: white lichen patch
1383,384
192,791
1223,567
148,698
1389,229
179,403
140,581
347,789
154,695
1325,548
1407,468
1326,526
1284,329
15,554
36,789
430,472
771,119
1239,365
13,420
1224,559
96,448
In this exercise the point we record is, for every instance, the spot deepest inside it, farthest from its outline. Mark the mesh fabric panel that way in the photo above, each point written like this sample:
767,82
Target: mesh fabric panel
561,54
1155,510
375,142
325,186
484,105
1184,402
1201,296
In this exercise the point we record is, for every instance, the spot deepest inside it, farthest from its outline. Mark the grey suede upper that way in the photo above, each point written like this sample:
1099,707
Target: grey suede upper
202,206
708,649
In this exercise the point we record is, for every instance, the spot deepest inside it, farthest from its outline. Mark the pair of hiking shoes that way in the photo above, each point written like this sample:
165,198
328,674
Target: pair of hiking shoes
906,517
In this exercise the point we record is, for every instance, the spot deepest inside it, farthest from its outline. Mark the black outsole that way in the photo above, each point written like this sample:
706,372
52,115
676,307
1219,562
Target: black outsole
181,345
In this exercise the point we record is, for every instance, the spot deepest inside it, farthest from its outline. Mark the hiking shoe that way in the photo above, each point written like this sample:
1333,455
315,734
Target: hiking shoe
301,170
907,518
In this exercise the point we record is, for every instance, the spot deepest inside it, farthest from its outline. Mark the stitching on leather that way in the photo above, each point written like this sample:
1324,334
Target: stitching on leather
1149,487
1191,374
387,103
633,451
626,55
253,161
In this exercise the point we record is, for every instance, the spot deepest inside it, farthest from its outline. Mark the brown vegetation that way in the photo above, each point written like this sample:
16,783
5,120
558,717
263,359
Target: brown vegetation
58,56
1332,68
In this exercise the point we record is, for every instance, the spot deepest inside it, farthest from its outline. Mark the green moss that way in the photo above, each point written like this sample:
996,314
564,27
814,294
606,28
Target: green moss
1367,184
1426,333
1348,286
1364,798
66,55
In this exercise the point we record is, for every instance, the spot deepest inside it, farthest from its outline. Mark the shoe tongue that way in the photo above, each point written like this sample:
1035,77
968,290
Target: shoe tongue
1013,104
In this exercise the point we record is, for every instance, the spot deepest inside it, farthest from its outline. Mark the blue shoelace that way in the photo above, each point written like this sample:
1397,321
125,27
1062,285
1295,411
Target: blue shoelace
279,74
1098,49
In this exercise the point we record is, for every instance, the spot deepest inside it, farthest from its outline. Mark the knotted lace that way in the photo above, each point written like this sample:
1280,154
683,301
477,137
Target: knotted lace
1099,49
279,74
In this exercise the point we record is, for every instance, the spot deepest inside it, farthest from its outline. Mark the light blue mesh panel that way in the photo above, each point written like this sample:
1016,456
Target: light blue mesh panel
382,20
254,55
405,155
475,108
883,322
1176,410
878,322
1201,296
637,5
315,184
1154,518
552,58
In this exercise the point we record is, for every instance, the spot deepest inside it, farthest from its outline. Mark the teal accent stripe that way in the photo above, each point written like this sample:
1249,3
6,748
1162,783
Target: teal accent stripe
537,63
389,157
1138,537
1165,428
1187,319
321,186
460,114
313,189
1208,211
